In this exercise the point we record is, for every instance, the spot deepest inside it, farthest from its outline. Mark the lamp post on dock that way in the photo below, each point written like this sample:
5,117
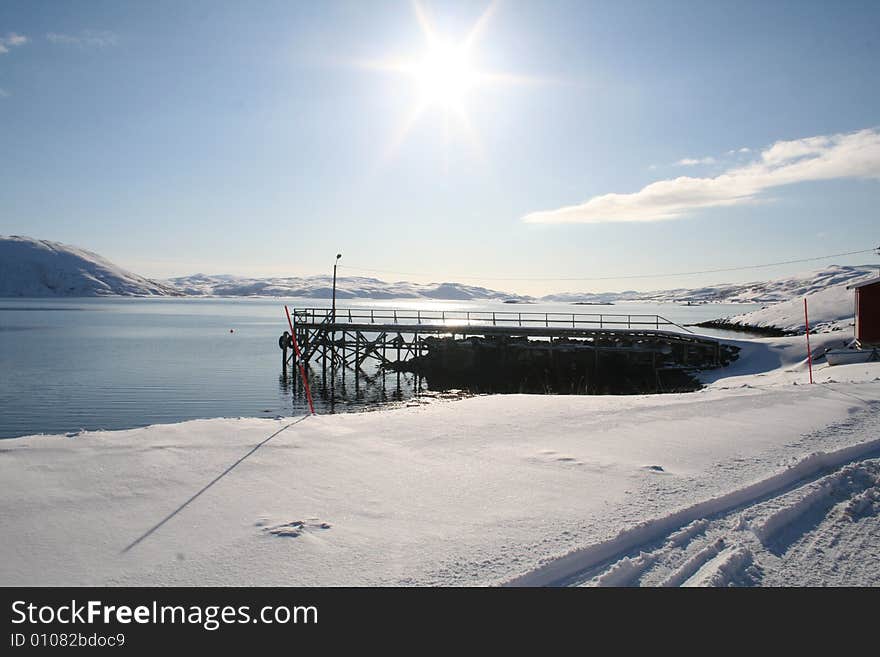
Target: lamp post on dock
333,311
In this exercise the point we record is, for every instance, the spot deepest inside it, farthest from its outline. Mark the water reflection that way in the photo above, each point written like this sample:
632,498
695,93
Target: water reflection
342,390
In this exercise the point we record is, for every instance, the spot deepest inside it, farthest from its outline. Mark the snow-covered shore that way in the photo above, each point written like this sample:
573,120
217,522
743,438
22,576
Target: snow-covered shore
488,490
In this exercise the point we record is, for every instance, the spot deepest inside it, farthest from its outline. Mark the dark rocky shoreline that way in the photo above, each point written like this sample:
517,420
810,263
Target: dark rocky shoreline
768,331
563,366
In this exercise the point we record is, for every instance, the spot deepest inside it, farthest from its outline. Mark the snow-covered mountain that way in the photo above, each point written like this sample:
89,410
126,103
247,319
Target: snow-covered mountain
772,291
39,268
321,287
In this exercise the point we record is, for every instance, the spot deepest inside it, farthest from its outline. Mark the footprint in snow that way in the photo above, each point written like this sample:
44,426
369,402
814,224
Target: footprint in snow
568,460
549,456
292,529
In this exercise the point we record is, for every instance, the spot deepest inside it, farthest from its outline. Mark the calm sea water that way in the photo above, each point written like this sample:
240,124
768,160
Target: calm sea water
71,364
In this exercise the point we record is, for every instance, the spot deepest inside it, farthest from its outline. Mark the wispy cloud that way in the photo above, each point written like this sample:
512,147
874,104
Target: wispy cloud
12,40
850,155
85,39
3,93
690,161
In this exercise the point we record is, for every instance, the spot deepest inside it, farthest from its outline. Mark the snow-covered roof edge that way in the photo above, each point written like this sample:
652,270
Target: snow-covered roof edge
870,281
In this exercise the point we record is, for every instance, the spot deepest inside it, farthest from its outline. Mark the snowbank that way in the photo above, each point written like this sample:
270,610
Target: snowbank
783,361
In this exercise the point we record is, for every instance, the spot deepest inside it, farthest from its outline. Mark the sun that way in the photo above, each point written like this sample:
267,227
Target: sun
443,73
444,76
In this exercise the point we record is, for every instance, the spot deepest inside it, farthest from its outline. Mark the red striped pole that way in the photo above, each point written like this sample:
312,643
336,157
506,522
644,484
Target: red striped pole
302,371
809,353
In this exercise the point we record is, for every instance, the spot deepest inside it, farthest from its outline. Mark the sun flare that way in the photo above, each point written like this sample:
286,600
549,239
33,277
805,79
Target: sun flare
445,76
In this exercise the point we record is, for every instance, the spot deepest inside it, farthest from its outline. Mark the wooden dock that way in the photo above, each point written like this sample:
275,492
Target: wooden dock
351,336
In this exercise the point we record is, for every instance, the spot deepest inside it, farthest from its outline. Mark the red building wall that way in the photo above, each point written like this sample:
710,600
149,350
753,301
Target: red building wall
868,314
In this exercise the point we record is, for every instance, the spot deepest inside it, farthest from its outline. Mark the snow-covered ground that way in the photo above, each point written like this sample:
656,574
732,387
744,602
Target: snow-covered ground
753,480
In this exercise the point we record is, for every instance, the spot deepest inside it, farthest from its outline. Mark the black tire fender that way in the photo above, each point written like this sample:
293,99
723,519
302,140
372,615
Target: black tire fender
285,341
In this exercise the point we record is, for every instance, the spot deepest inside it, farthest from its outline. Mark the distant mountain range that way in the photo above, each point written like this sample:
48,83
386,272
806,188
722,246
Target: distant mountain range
40,268
321,287
767,292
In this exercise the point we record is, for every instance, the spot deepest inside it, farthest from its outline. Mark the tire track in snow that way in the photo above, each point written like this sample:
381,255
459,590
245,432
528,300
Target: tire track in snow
694,564
844,546
726,568
682,528
788,533
811,519
851,482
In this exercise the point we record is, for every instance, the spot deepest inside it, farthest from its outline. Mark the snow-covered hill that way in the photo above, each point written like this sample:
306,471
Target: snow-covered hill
830,307
39,268
320,287
772,291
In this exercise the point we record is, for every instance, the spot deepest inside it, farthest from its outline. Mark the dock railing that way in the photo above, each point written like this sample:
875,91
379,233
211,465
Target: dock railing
477,318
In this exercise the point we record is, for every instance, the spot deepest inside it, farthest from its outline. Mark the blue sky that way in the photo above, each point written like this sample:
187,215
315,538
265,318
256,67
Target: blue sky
263,138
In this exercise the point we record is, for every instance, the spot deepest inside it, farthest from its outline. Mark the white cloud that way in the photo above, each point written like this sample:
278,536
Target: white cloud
11,40
689,161
85,39
852,155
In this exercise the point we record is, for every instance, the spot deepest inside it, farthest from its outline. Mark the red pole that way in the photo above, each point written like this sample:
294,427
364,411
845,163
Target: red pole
809,353
302,371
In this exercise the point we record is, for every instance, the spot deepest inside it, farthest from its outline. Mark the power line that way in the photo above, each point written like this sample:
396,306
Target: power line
612,278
